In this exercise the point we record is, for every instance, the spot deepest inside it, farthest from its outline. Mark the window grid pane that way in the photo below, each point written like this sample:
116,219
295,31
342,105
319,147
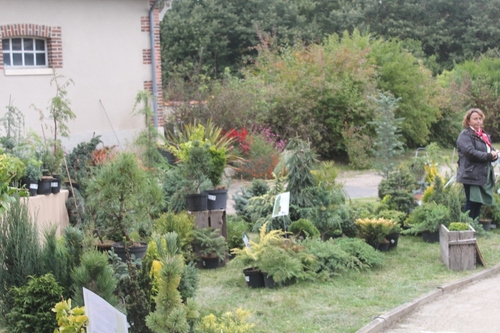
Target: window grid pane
16,44
24,52
29,59
28,44
39,45
41,59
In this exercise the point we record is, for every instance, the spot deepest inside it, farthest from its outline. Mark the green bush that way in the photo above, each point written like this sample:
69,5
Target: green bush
55,259
458,226
31,310
241,201
181,223
358,248
97,275
236,228
20,250
328,258
304,228
427,217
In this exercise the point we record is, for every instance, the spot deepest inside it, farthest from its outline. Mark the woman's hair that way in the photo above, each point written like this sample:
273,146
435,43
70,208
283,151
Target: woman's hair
465,122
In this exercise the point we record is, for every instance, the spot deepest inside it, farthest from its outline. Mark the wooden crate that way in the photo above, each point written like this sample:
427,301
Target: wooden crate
215,219
458,248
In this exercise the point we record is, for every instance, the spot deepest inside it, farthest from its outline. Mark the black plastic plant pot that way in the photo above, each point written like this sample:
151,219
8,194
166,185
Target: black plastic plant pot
216,199
137,249
55,185
254,278
210,263
393,240
268,281
32,186
430,237
44,186
196,202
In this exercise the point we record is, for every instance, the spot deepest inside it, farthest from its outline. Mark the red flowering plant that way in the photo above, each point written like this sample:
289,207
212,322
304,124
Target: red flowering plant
261,149
239,140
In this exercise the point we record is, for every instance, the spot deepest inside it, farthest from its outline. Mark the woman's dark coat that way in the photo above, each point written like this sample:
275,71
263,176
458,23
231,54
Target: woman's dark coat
473,159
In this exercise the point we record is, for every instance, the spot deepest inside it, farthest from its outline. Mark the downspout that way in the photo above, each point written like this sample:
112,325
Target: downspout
153,62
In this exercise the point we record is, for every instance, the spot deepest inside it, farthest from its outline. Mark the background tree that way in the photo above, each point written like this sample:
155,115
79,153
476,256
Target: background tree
387,145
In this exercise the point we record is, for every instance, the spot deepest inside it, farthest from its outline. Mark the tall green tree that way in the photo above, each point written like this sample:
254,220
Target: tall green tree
387,146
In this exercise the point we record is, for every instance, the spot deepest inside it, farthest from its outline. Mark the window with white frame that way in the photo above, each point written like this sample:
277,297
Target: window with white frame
24,52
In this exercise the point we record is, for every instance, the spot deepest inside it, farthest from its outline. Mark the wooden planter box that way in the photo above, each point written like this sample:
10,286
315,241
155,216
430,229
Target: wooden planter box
458,248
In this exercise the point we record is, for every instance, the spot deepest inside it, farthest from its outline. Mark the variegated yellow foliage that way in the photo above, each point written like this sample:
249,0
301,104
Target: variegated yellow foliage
70,320
229,322
252,252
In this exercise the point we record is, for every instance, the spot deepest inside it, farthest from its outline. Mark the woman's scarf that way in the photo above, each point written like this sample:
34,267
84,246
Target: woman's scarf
483,137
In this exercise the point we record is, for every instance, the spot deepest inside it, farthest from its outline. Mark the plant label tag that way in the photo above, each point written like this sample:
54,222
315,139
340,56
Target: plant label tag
247,278
54,184
281,204
245,240
34,186
103,317
211,197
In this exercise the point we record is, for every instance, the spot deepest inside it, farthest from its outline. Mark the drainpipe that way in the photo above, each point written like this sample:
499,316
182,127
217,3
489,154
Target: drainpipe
153,62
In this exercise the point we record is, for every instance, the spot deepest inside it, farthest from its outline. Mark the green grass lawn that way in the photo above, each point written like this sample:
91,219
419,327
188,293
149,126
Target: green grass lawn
345,303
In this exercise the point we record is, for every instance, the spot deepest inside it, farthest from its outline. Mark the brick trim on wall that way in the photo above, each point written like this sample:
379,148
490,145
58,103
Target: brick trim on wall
52,34
146,60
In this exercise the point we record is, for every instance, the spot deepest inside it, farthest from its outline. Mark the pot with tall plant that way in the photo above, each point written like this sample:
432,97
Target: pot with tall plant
426,220
123,197
203,155
58,115
211,247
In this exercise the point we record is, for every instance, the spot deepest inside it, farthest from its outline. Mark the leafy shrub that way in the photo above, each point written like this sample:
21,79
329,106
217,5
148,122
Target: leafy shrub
364,252
228,323
282,264
397,190
394,215
71,320
20,250
31,310
374,230
55,259
236,228
329,258
95,274
258,188
458,226
427,217
261,159
181,223
304,228
326,174
189,282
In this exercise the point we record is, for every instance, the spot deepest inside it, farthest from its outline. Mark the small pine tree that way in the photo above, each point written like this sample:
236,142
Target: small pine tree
136,300
171,314
97,275
55,259
20,249
387,145
299,165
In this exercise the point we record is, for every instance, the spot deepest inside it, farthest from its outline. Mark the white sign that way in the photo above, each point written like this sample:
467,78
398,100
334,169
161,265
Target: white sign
281,204
103,317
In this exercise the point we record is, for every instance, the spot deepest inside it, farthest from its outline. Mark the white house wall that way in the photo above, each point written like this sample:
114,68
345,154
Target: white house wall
103,47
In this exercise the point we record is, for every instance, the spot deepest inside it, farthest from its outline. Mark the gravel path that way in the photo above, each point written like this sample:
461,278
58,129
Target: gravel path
357,184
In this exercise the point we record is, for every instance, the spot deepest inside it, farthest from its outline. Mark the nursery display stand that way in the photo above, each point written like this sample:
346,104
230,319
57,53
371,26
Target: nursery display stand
458,248
215,219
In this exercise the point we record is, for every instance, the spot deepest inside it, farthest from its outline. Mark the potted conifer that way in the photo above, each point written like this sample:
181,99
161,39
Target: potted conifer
123,197
211,246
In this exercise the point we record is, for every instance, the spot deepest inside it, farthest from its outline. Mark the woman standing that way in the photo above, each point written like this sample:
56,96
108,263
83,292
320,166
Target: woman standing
475,171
